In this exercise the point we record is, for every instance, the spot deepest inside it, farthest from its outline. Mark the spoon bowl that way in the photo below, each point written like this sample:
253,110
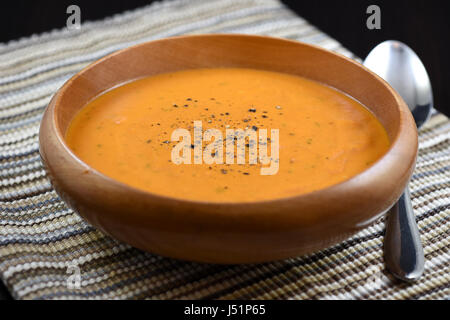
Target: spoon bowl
400,66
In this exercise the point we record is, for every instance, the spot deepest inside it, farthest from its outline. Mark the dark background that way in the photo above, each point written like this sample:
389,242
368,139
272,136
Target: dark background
422,24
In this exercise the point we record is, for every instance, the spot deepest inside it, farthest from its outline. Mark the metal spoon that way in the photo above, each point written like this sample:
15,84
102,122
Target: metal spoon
396,63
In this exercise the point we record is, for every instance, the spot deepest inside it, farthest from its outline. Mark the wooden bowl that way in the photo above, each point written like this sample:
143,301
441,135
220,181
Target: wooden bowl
229,232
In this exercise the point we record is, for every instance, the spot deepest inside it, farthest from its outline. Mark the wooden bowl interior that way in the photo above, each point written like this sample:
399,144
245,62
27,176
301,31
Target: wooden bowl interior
245,52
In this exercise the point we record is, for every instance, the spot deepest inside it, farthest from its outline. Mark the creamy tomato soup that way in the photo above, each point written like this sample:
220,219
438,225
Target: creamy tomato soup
324,136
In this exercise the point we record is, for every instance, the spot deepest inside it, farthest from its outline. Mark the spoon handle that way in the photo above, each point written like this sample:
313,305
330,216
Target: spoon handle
403,248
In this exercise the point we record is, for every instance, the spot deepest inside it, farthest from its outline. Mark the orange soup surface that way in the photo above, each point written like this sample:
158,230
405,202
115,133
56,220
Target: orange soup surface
324,136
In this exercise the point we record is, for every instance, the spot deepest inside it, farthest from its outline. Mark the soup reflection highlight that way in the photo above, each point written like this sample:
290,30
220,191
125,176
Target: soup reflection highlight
324,136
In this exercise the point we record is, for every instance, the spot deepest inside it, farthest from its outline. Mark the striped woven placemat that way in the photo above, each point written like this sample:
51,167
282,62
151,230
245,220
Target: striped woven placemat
41,240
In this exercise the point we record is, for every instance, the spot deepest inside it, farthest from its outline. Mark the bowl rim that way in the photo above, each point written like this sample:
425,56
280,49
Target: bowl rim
363,175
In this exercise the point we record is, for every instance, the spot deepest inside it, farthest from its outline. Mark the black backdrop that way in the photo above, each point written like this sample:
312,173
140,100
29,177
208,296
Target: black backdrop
422,24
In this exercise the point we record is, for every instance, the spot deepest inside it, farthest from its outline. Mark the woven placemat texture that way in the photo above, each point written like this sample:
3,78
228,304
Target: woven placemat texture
40,238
